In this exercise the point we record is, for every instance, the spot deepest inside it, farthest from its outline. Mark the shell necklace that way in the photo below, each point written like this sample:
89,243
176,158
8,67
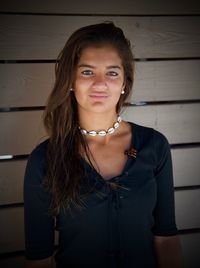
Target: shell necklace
102,132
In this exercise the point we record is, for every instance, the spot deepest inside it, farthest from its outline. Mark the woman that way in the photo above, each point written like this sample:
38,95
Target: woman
104,184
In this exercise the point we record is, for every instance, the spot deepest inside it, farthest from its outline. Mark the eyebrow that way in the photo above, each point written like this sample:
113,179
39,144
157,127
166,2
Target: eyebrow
93,67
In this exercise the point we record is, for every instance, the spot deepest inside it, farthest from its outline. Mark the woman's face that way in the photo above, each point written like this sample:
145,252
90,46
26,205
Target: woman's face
99,79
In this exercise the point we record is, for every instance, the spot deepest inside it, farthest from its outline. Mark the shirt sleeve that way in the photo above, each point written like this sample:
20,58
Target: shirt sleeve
39,226
164,212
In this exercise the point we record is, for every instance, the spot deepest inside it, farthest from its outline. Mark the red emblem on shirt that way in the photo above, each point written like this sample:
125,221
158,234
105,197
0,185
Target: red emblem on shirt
131,152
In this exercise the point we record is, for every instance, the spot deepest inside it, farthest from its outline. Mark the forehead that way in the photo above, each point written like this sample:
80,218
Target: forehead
106,54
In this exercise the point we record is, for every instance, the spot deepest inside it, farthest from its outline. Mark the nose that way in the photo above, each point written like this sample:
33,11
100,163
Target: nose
99,82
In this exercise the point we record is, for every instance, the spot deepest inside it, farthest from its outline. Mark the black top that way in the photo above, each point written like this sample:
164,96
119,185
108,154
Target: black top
117,226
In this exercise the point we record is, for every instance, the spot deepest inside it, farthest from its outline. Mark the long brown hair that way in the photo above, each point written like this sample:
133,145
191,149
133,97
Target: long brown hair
65,170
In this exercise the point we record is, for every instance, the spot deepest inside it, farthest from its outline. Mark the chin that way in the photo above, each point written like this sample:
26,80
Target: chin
100,109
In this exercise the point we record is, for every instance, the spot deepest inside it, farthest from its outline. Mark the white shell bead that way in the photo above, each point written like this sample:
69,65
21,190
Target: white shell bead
92,133
102,133
84,132
111,130
119,119
116,125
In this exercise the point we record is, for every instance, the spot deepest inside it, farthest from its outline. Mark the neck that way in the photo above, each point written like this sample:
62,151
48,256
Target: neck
97,121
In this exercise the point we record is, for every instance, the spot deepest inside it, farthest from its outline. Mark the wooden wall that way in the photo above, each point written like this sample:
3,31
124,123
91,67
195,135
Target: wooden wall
166,95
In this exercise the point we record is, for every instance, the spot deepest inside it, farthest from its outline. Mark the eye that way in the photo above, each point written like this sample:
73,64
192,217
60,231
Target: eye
87,72
112,73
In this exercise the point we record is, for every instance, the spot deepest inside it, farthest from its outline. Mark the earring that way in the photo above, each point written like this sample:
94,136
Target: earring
71,89
122,92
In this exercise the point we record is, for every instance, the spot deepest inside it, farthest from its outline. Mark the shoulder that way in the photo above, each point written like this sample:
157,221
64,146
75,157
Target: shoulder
38,154
37,163
144,135
151,143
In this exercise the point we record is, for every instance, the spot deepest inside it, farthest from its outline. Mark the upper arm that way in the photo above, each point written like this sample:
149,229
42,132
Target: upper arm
39,225
164,212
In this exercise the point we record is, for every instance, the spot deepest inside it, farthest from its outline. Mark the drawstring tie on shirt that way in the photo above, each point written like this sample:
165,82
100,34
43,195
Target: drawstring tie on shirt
115,259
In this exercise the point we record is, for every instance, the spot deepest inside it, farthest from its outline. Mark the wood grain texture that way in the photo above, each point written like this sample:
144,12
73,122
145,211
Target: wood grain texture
23,130
154,81
30,84
12,239
22,37
186,166
186,171
179,123
187,205
11,181
190,248
166,80
17,262
12,229
103,7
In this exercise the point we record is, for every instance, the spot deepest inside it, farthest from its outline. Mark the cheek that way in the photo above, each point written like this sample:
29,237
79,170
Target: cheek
116,84
117,88
81,85
78,95
116,95
78,87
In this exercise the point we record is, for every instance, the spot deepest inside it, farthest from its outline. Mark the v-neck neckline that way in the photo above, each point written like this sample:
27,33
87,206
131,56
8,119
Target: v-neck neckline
129,158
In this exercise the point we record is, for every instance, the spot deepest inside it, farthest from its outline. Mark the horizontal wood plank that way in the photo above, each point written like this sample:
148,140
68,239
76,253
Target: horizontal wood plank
30,84
12,239
103,7
12,229
190,249
42,37
186,168
186,171
21,131
154,81
17,262
187,205
166,80
11,181
179,123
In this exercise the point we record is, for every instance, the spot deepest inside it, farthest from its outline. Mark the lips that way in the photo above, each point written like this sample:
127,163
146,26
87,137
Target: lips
98,95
